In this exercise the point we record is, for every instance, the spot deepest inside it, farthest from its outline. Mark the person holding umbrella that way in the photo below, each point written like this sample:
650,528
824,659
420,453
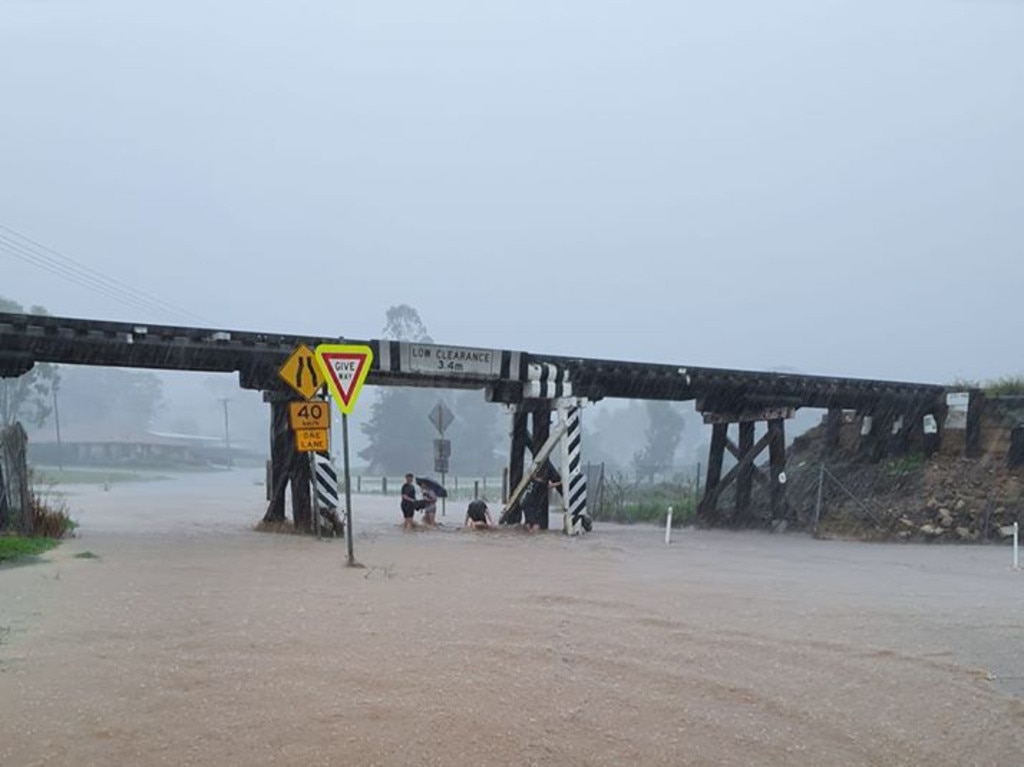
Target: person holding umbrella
431,492
429,499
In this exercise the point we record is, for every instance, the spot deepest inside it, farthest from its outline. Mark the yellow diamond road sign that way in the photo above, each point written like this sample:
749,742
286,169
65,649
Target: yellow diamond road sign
300,372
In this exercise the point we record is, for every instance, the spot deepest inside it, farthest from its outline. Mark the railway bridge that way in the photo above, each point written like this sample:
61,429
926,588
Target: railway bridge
895,415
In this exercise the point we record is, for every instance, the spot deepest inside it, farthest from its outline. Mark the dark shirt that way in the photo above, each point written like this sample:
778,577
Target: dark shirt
408,489
477,511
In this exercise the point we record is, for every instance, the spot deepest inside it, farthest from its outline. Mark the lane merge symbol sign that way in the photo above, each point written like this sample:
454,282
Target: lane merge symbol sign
345,367
300,372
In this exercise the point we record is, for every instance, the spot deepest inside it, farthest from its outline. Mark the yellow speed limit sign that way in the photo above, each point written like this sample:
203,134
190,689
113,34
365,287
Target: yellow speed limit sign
309,415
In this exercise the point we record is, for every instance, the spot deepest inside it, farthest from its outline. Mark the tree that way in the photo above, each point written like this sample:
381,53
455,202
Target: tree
28,397
476,434
398,430
664,431
109,401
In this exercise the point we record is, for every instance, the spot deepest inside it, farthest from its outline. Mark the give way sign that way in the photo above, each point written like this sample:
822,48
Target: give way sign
345,367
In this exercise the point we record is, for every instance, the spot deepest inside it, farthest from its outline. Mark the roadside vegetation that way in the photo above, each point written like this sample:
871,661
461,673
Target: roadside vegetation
1004,386
628,502
50,522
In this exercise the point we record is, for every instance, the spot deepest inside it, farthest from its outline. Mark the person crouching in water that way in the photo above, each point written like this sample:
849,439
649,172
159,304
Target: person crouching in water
429,502
408,503
477,516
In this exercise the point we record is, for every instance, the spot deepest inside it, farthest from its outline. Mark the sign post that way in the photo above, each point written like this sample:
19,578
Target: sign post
442,418
345,367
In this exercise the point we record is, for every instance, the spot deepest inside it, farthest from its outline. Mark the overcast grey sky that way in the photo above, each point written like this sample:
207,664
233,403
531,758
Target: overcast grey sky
837,187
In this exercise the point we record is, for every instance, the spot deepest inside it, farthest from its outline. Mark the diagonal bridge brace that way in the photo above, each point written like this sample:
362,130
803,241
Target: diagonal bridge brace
539,459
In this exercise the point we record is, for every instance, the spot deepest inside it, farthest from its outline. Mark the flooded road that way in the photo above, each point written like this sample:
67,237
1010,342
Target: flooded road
191,639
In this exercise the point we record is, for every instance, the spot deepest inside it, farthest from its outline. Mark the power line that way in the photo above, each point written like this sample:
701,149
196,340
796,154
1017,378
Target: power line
13,248
48,259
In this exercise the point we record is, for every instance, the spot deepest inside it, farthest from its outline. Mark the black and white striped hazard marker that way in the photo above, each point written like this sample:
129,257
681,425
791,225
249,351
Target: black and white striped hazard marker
577,477
326,482
546,381
573,477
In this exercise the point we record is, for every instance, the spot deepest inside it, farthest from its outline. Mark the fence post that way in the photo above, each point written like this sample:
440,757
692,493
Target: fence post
817,505
476,489
359,483
383,485
1016,558
668,526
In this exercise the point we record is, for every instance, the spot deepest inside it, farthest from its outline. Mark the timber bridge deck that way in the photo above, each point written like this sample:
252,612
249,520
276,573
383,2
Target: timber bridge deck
529,382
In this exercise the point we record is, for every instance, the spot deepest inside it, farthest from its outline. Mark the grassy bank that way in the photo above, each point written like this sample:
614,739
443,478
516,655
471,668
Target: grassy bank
14,547
52,476
628,503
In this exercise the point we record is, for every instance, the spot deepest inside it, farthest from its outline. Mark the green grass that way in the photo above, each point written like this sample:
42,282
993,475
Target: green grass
86,555
51,476
14,547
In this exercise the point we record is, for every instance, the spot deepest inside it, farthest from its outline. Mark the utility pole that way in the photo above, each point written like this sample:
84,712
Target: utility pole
227,432
56,421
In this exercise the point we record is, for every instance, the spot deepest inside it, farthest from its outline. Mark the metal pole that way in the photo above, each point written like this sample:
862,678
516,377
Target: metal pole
348,491
821,487
1016,557
227,433
668,526
443,498
56,420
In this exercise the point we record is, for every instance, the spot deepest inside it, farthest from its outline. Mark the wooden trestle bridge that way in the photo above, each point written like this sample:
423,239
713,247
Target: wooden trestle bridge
530,383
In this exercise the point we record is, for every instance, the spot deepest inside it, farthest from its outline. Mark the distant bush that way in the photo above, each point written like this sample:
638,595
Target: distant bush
963,384
1005,386
51,519
50,515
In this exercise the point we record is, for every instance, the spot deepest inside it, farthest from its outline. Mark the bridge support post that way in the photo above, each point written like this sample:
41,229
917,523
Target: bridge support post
287,466
777,466
519,436
708,508
745,479
975,409
833,427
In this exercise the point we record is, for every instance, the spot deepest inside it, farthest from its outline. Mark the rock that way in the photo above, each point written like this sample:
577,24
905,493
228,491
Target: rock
903,534
906,521
945,518
1006,531
960,504
932,503
944,512
966,534
931,530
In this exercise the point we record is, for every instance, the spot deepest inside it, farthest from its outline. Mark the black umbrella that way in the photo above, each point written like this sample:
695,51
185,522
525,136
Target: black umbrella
436,487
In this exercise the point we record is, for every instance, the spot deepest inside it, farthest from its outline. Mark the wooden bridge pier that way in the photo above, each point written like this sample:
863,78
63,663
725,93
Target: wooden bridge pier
745,472
287,467
531,427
